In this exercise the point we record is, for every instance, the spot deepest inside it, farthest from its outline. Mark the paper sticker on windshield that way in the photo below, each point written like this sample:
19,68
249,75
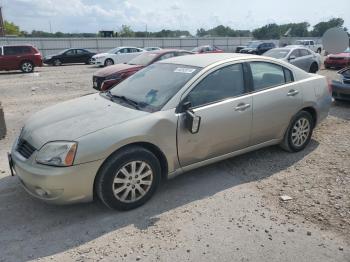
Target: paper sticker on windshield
184,70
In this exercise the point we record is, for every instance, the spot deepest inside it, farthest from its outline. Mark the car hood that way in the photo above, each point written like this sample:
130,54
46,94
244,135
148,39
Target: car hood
109,70
76,118
101,55
341,55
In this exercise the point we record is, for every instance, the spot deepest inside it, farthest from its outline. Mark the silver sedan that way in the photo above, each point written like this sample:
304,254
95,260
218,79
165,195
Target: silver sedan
168,118
299,56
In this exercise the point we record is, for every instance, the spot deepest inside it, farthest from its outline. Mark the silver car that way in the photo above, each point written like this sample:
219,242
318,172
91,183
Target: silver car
299,56
168,118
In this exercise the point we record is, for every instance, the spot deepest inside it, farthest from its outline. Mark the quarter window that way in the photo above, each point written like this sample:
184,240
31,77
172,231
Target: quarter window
223,83
266,75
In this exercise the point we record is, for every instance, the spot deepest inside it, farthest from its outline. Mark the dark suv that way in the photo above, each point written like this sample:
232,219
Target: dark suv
257,48
19,57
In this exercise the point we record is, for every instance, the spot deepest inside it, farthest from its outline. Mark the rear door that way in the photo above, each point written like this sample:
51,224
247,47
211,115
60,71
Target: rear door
276,98
220,99
12,57
81,56
69,56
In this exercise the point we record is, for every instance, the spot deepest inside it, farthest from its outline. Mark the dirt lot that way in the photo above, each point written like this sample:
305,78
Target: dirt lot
229,211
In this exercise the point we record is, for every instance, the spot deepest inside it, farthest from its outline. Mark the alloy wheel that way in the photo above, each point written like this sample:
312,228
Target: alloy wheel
132,181
27,67
300,132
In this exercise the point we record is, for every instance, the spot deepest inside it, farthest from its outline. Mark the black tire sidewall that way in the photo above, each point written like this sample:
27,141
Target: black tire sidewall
302,114
107,173
57,64
108,59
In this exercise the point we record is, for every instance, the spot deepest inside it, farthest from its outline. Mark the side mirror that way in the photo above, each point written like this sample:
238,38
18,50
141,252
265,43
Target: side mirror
292,57
192,122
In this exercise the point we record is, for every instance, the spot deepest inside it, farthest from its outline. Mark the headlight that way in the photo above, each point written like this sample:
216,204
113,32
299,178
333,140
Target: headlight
338,77
60,153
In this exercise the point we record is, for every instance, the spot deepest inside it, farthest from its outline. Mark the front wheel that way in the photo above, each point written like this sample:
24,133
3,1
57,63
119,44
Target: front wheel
128,179
313,68
299,132
57,62
109,62
27,67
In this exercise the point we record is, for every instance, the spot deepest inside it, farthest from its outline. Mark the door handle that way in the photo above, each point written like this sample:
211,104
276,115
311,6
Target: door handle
292,92
242,107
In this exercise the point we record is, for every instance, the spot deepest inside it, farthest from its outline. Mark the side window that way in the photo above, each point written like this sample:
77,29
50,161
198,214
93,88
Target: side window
304,52
295,53
123,51
223,83
312,43
166,56
288,75
266,75
12,50
70,53
81,51
26,50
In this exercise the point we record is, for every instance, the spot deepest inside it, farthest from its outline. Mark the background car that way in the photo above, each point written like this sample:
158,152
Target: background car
317,48
338,60
107,77
168,118
152,48
117,55
69,56
341,86
301,57
19,57
240,47
257,48
206,49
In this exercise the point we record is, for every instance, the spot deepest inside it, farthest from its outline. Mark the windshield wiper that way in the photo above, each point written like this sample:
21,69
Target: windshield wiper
124,99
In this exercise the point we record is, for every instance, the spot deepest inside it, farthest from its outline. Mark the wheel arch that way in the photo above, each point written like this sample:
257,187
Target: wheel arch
312,111
147,145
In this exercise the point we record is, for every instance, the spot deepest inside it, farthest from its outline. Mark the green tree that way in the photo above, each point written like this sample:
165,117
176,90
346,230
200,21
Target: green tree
126,31
322,27
11,28
270,31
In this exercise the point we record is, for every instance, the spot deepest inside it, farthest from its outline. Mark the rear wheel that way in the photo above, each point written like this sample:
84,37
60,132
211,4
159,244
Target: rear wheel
313,68
128,179
57,62
109,62
27,67
299,132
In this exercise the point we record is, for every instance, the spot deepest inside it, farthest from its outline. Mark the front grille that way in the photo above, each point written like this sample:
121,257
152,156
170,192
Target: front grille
25,149
336,58
97,82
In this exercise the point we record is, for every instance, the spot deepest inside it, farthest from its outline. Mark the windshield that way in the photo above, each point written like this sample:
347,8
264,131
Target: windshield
63,51
113,51
153,86
277,53
143,59
253,44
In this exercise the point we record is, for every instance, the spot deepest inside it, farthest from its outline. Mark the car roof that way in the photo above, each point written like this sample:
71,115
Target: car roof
204,60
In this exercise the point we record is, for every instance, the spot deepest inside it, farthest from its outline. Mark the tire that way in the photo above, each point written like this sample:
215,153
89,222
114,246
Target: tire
290,142
57,62
108,62
89,61
120,167
313,68
27,67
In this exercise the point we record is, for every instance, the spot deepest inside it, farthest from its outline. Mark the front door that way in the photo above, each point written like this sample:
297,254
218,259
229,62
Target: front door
225,109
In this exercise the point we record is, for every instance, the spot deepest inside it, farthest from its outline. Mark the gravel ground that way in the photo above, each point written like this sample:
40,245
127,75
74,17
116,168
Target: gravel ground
229,211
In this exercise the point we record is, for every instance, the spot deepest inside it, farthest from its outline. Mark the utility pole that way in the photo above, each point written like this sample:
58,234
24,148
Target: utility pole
2,26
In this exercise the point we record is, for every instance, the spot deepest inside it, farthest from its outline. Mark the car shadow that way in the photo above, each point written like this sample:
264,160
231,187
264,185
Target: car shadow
31,229
337,109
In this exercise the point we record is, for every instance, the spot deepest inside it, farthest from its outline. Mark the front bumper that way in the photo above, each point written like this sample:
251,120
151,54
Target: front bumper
98,61
340,90
57,185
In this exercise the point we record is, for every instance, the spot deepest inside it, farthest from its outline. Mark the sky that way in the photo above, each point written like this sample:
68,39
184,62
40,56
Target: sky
91,16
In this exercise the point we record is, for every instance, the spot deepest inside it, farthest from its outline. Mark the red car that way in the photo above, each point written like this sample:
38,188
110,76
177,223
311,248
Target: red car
207,49
338,60
19,57
109,76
